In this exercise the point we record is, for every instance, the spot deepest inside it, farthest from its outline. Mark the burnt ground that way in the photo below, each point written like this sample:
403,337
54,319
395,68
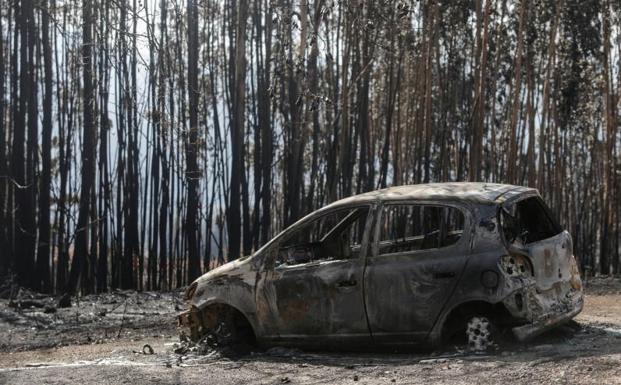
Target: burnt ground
101,339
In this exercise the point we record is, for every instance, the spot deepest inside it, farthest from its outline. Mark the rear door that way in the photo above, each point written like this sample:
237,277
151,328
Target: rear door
418,255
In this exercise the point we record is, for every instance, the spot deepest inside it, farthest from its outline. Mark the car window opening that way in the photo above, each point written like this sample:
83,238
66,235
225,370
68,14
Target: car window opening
407,228
334,236
527,221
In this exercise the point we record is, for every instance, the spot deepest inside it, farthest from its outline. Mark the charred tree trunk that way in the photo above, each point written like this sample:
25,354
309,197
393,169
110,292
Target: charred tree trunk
43,253
88,154
238,88
512,165
192,172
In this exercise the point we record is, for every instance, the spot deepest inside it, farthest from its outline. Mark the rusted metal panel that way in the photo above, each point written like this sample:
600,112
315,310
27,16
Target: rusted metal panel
406,291
554,293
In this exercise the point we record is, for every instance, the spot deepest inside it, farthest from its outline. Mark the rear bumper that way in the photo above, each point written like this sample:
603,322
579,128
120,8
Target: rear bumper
555,314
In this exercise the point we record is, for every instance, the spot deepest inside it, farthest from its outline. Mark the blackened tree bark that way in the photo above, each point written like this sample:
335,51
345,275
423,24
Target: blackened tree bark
30,227
65,135
161,95
4,231
88,153
512,165
22,185
191,146
478,115
392,90
266,131
43,254
133,171
313,108
105,189
238,88
16,121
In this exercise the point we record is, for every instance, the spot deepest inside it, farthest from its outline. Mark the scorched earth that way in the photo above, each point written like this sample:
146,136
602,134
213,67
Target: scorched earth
130,338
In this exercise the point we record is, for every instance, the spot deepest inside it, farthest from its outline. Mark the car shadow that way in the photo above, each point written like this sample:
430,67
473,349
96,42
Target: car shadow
569,341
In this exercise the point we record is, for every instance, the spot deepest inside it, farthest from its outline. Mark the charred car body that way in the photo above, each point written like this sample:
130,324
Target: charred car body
407,265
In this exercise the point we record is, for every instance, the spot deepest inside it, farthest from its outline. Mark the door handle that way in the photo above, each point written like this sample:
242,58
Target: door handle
444,274
348,283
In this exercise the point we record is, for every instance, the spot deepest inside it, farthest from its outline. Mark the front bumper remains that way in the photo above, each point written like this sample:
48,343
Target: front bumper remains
189,322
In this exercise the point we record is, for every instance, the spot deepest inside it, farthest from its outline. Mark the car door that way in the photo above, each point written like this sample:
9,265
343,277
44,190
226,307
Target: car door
311,289
419,252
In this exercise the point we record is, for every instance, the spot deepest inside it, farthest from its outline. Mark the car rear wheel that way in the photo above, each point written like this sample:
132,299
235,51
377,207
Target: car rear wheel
480,334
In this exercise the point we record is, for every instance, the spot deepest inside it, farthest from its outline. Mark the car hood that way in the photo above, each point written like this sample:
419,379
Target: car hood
228,269
223,283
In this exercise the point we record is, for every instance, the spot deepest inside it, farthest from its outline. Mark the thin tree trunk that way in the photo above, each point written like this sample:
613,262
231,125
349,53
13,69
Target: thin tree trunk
43,253
192,172
88,154
512,164
237,131
476,150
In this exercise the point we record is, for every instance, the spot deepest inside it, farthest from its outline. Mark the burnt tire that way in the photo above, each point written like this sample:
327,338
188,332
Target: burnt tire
224,332
228,327
481,334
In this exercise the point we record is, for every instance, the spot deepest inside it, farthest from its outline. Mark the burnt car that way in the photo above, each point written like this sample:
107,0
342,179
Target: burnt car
408,265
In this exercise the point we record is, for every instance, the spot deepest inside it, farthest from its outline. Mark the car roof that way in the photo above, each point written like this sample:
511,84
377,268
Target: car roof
475,192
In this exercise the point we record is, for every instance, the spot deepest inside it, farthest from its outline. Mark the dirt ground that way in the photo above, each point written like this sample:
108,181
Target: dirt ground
102,338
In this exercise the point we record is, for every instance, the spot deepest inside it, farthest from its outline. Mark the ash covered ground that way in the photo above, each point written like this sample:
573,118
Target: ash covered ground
131,338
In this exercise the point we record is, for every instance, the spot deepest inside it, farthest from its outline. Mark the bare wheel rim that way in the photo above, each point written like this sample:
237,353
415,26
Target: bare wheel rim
223,331
479,333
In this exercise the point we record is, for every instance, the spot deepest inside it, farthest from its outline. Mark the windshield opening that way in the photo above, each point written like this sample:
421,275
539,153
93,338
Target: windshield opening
527,221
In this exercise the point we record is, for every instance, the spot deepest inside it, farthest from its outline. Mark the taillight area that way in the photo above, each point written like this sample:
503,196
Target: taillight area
516,266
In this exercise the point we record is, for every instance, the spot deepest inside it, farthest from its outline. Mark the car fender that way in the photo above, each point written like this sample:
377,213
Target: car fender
235,288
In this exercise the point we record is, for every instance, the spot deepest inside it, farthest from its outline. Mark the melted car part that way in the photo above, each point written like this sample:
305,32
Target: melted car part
516,266
189,293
